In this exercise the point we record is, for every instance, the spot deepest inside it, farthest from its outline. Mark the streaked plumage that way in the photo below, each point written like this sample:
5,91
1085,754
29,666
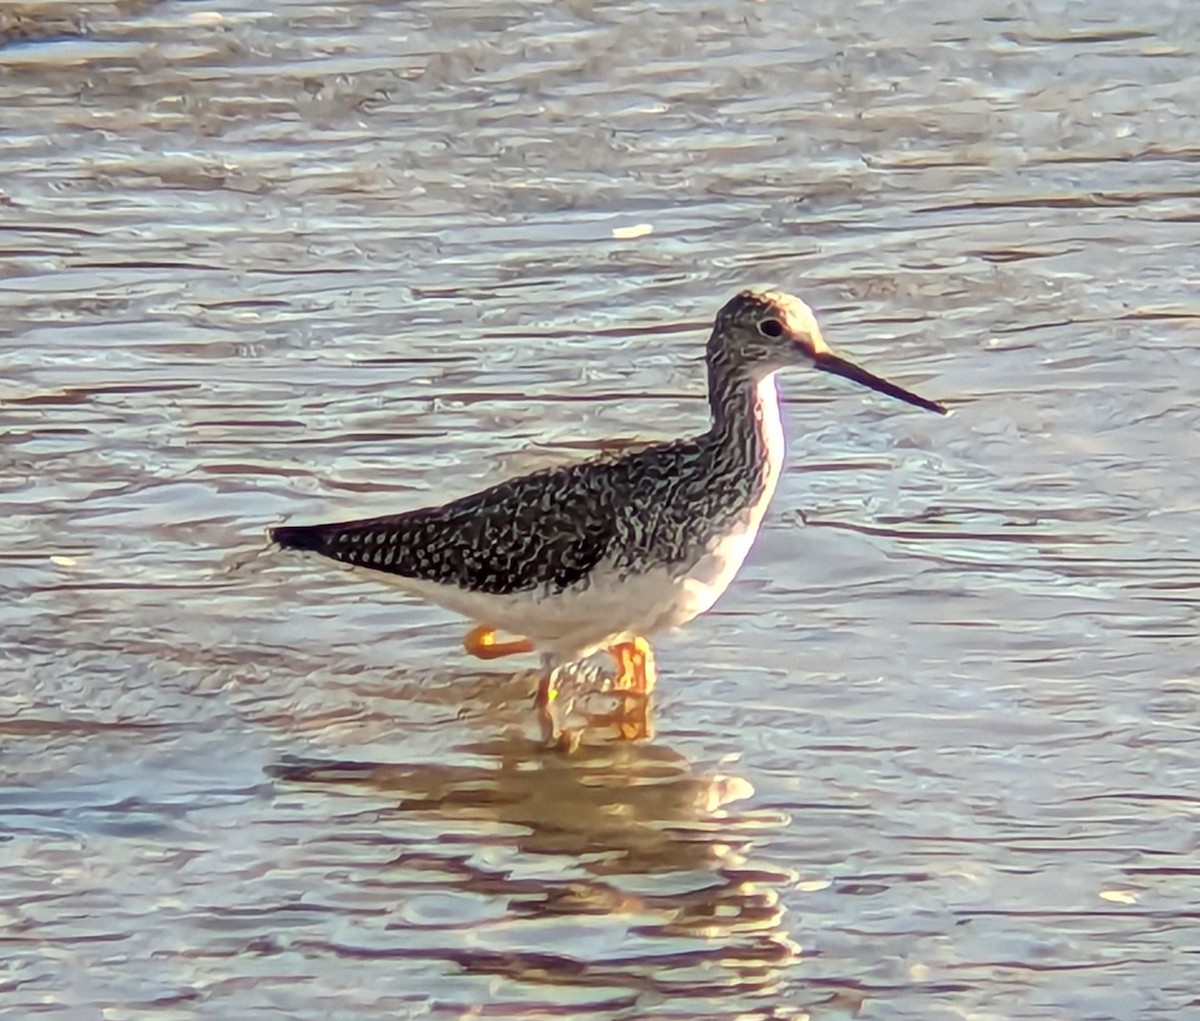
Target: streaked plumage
584,556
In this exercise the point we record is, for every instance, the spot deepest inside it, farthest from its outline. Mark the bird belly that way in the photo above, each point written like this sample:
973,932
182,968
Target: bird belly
568,624
614,605
713,571
611,604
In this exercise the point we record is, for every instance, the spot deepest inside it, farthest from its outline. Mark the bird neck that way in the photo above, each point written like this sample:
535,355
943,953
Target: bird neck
747,427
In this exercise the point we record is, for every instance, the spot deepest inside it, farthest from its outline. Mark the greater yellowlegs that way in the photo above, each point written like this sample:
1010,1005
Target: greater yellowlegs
602,553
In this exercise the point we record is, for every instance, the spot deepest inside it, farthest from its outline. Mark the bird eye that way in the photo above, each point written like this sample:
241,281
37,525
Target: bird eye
771,328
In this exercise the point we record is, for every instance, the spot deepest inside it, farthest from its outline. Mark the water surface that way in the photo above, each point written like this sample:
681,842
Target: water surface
934,756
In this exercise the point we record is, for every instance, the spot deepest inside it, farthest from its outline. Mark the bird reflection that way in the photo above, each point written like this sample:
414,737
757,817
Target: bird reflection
649,842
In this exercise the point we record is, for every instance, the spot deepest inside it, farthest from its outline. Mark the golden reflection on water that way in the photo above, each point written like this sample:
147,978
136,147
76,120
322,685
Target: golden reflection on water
638,836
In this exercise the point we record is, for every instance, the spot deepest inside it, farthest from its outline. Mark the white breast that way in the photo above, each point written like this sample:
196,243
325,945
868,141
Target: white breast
725,554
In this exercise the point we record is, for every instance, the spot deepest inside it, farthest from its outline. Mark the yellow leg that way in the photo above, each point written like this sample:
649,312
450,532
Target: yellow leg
635,665
562,739
635,674
481,642
547,690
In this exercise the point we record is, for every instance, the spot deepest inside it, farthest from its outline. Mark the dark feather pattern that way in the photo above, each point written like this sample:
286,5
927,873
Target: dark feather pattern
548,530
657,507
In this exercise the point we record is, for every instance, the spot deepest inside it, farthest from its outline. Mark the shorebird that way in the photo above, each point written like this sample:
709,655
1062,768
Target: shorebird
600,554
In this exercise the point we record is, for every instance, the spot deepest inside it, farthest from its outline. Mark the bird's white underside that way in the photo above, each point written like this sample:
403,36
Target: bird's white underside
572,624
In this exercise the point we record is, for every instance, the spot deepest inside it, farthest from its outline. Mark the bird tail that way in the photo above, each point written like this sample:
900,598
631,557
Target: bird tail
299,537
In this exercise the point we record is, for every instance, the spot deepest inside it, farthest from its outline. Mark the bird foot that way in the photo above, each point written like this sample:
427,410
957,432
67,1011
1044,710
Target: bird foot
633,683
481,642
630,719
549,708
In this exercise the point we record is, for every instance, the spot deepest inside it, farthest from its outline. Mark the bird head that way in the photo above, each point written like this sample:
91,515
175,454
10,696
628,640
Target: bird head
760,332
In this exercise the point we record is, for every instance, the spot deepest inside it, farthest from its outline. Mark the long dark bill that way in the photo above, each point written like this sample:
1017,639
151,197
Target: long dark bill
848,370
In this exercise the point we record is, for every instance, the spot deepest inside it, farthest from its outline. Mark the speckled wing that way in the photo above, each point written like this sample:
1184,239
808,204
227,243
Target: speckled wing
547,530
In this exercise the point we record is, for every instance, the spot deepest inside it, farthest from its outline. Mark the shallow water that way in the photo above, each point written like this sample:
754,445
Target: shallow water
934,756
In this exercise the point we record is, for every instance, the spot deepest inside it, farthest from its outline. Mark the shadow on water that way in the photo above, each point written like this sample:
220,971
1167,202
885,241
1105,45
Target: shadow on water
624,838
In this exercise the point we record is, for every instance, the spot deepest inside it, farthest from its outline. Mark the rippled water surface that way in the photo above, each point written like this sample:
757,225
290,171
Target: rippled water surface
936,755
